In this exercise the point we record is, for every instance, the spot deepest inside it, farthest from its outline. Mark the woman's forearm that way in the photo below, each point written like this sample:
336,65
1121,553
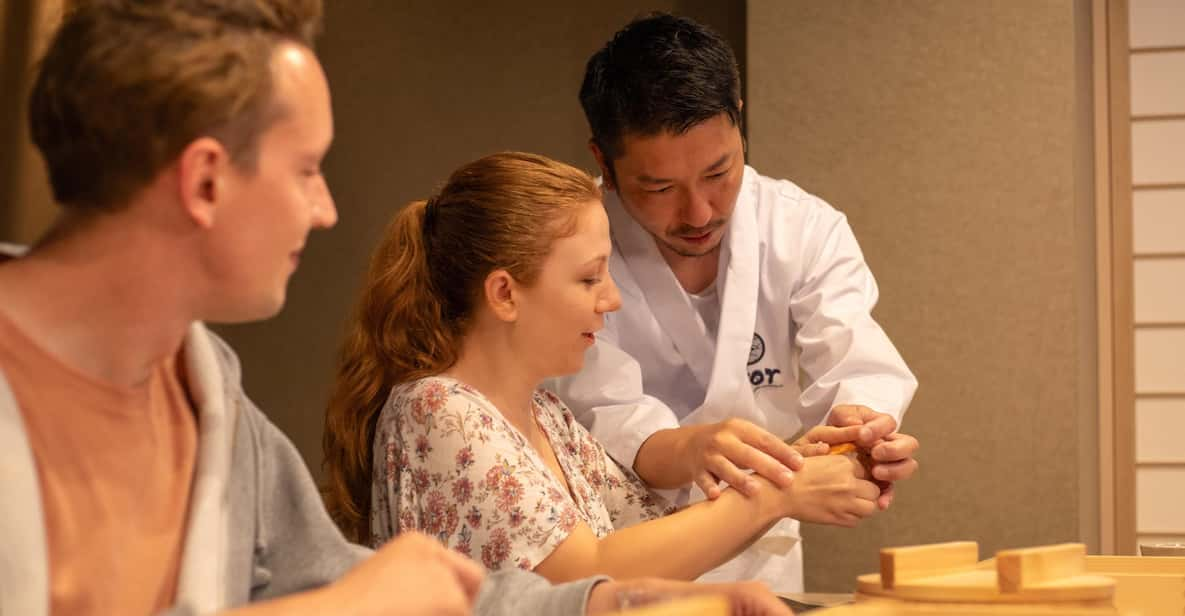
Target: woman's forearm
682,546
690,542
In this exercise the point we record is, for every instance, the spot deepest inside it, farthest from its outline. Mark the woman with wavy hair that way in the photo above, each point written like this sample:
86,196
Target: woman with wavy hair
437,422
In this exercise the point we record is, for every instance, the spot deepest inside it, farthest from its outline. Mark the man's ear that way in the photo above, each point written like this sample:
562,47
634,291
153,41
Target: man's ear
500,294
201,180
606,172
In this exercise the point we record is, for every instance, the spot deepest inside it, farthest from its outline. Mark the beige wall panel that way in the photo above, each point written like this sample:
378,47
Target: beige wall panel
1158,152
1160,360
1160,425
1157,23
956,137
1145,538
1159,221
1158,286
420,88
1161,496
1158,83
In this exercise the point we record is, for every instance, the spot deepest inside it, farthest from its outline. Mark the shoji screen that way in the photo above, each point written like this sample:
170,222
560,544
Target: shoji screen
1158,203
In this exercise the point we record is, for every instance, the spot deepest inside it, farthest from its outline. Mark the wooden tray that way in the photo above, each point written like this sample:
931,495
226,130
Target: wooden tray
951,573
1144,584
886,607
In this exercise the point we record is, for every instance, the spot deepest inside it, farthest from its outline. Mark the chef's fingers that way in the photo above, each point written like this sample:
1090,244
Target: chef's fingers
886,497
708,484
896,446
723,468
894,471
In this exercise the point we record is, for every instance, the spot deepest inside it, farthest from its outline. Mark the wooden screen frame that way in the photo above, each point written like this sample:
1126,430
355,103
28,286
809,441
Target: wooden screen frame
1115,286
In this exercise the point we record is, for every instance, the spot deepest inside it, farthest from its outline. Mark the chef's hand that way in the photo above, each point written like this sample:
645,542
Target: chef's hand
819,440
891,452
723,451
745,598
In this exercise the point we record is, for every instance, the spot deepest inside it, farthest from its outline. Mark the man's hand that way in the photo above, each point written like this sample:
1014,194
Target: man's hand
723,451
413,574
819,440
832,490
746,598
891,451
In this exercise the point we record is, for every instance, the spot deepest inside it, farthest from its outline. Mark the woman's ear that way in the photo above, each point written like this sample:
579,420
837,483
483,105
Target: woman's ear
501,294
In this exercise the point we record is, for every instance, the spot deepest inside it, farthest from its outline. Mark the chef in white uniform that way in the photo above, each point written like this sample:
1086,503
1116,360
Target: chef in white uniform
733,285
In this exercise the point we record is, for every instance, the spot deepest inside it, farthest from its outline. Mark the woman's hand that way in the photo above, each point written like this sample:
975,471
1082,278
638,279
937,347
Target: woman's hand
831,490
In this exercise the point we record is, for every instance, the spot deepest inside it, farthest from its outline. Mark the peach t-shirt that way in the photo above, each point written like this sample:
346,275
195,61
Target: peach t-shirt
115,466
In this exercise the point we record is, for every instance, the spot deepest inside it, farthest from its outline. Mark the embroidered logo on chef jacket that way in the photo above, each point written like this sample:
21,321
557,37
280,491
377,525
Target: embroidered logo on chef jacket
761,377
757,349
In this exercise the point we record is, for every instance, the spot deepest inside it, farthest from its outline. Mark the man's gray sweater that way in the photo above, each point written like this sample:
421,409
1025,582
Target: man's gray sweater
257,528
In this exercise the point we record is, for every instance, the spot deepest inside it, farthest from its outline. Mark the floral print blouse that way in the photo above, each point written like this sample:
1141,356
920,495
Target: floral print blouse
448,464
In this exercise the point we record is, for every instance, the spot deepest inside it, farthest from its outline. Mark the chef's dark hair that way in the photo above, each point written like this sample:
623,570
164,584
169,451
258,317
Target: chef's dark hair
659,74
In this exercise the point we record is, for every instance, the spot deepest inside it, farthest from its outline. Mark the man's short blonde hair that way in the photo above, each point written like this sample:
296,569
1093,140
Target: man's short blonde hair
126,85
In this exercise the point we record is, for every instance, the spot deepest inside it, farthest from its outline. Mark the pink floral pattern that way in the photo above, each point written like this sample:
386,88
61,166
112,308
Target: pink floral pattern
448,464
